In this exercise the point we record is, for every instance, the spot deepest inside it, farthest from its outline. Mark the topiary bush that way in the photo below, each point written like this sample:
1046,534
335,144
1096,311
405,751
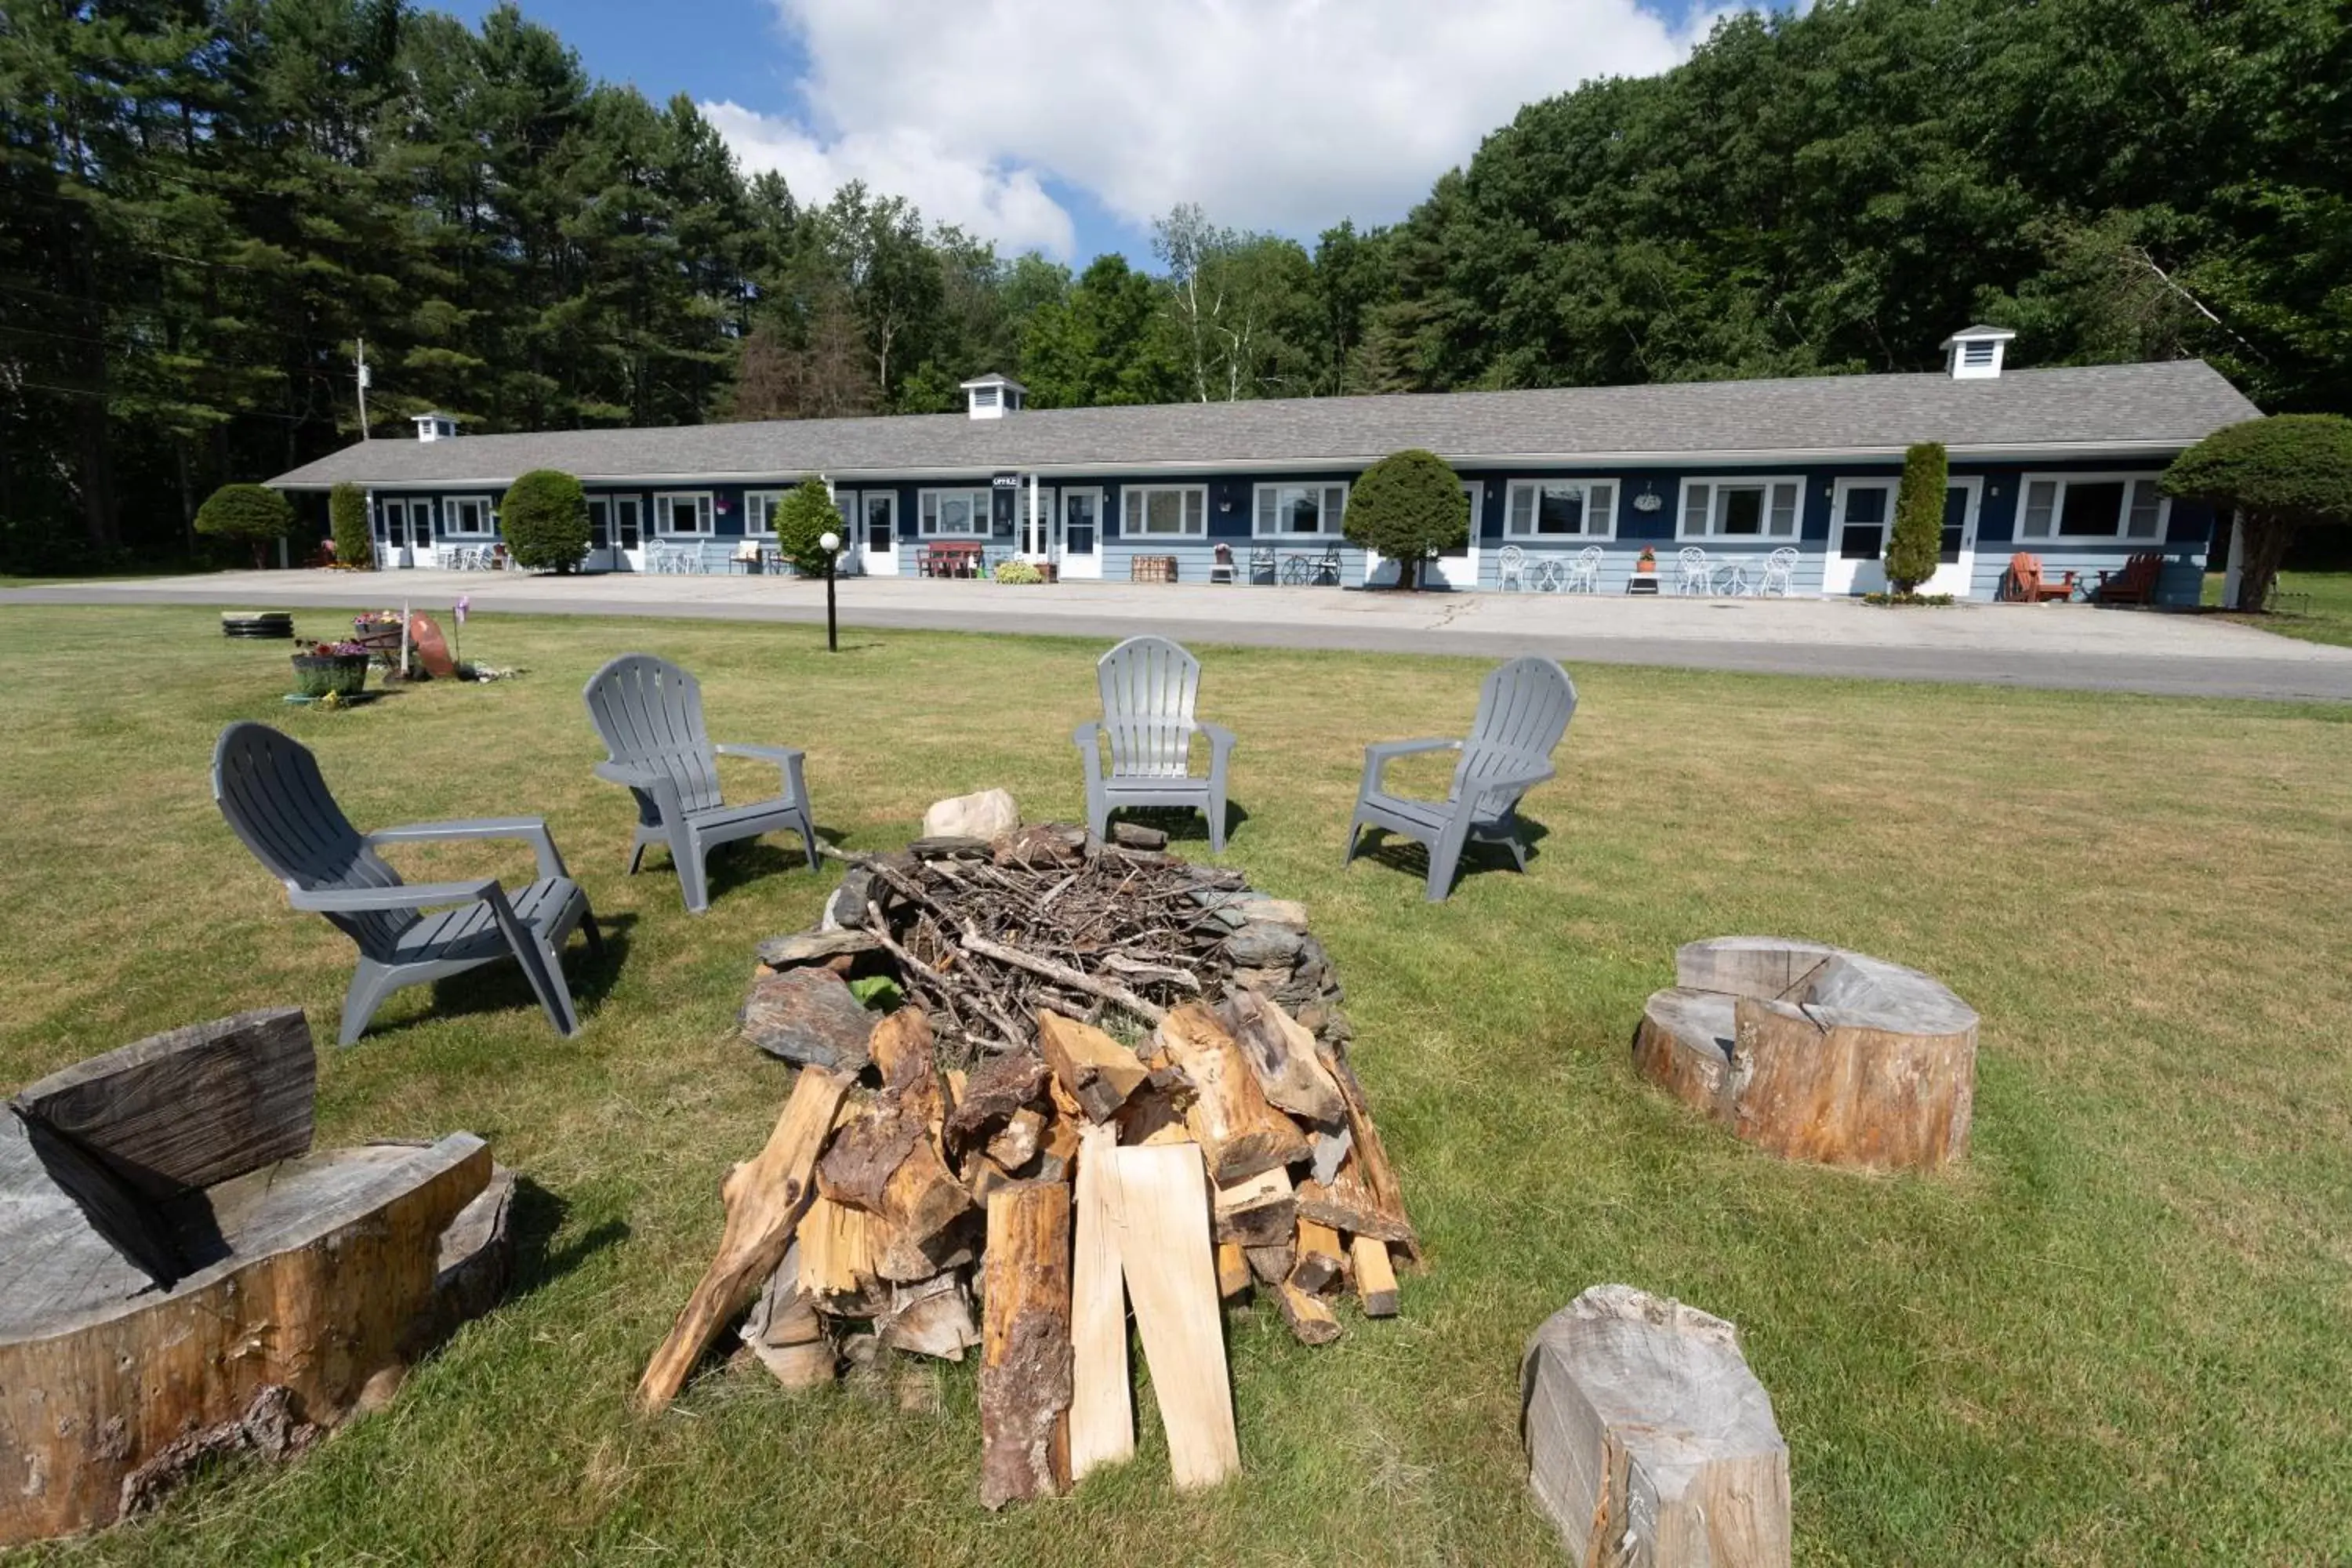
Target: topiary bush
545,519
803,519
1408,506
249,514
2282,474
347,511
1018,572
1918,537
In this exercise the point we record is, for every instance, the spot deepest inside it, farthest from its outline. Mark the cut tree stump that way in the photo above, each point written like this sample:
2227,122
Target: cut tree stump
1815,1053
1025,1344
1376,1280
1649,1444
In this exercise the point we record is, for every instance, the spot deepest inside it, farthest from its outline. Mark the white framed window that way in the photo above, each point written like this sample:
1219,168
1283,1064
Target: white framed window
686,512
2093,505
1294,511
1561,509
953,513
468,517
760,511
1739,506
1165,511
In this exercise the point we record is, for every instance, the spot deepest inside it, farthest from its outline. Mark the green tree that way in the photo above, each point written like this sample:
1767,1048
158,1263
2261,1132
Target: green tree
2279,475
1408,506
1917,539
803,519
254,515
545,519
347,514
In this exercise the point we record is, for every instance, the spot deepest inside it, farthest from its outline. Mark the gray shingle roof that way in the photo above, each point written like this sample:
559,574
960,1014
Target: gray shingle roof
2024,412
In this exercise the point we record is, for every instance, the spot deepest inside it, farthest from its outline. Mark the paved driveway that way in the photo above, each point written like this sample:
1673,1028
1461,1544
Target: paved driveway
2057,646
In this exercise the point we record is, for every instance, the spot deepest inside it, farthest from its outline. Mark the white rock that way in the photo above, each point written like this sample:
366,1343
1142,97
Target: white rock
982,816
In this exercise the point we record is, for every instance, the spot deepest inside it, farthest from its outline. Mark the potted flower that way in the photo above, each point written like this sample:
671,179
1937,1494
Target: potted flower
1647,561
322,668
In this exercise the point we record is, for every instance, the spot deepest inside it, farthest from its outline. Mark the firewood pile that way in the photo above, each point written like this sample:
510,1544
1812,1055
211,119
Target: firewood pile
1115,1083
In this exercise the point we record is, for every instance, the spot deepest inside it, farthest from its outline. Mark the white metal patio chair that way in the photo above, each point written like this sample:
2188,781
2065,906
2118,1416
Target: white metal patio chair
1780,574
1584,571
1511,569
1695,579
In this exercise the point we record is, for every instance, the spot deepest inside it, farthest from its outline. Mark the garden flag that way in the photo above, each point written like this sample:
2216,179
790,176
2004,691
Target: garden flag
465,602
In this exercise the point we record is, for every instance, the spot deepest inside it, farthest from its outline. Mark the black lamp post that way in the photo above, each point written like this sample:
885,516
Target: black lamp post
831,544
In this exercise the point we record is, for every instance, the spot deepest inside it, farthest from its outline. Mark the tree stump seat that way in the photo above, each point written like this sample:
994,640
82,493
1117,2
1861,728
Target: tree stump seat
1816,1053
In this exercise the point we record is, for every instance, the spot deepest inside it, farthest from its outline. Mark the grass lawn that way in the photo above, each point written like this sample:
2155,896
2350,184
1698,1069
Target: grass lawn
2121,1333
2316,606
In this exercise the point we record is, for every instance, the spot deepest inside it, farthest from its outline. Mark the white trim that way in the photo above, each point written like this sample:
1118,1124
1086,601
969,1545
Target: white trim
1606,515
1331,521
979,497
1134,499
751,501
2129,478
1958,578
663,500
1717,484
452,506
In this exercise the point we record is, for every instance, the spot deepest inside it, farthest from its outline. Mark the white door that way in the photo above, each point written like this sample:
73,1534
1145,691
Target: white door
1861,511
1035,523
628,534
1079,515
601,555
408,532
1459,568
877,533
1955,560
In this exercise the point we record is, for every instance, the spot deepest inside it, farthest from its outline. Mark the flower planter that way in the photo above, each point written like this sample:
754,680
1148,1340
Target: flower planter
342,674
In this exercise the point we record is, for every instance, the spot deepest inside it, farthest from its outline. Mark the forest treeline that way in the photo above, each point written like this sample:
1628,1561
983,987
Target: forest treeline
206,206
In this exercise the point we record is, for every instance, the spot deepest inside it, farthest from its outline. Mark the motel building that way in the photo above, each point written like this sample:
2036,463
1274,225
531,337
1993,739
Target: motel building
1566,487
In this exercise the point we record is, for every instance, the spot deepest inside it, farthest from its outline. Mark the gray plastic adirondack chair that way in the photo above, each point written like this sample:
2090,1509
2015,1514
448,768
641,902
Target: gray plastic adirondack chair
648,712
1523,710
1148,685
269,789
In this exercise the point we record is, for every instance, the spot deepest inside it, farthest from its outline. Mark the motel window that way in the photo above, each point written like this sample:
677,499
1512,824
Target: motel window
953,511
2092,506
1166,511
1562,509
1740,508
1289,512
599,523
687,512
760,511
469,516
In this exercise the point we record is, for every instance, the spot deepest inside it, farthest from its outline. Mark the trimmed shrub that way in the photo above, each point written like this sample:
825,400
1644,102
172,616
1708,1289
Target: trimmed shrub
2288,472
347,511
1019,573
802,518
1918,537
545,519
249,514
1408,506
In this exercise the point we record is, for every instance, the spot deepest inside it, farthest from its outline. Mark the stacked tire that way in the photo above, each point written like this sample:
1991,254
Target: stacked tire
257,624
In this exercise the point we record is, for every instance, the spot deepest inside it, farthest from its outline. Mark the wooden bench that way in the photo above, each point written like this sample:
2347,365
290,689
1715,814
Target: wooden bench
949,558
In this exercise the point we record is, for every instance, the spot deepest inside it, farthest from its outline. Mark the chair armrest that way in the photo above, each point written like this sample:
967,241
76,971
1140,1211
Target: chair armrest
1221,742
530,829
1378,755
788,759
651,780
374,900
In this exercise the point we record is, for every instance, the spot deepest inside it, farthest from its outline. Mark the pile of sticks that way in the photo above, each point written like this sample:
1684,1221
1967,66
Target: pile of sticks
999,1138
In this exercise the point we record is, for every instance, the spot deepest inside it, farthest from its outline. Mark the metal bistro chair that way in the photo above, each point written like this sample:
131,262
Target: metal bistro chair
1523,710
1511,569
1696,577
1584,571
1261,560
1325,568
1149,686
1780,578
269,788
649,713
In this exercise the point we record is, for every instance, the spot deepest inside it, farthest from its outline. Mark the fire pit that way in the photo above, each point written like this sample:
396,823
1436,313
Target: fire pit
1104,1076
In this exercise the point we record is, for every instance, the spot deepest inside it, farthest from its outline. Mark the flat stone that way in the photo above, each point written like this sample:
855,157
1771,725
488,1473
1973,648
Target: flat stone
808,1016
1134,835
1259,909
986,815
814,947
1261,946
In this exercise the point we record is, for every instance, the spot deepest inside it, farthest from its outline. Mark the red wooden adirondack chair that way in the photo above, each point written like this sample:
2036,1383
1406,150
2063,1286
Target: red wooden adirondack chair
2026,584
2134,584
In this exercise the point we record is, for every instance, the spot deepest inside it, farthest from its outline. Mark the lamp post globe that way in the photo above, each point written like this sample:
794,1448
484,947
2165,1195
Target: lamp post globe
829,543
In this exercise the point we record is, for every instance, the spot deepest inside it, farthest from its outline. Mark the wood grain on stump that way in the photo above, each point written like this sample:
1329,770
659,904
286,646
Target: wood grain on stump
1815,1053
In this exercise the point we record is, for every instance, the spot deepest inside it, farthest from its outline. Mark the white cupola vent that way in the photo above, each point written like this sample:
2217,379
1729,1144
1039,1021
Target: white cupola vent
992,397
434,426
1974,353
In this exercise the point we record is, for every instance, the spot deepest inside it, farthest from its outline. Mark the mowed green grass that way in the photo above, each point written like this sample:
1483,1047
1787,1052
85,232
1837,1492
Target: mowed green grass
2121,1333
2316,606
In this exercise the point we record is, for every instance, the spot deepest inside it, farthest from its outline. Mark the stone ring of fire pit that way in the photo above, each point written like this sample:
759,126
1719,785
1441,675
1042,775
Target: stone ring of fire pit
1816,1053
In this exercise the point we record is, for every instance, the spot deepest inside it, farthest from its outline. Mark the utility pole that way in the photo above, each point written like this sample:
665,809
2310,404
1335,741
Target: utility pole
361,364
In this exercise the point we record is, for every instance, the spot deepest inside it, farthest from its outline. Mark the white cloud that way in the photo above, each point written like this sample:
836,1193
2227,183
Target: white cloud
1280,114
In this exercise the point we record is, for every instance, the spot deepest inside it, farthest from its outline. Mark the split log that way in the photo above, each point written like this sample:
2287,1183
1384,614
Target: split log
1257,1211
783,1333
1376,1280
1058,1151
929,1318
1271,1264
839,1263
1321,1261
1153,1117
1367,1186
1281,1055
1095,1070
765,1199
901,1048
1348,1204
1172,1280
1649,1441
1016,1145
1232,1270
1025,1359
1102,1410
994,1090
1239,1133
1309,1319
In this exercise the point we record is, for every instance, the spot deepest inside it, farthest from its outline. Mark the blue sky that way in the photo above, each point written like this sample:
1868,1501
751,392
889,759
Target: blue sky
1064,125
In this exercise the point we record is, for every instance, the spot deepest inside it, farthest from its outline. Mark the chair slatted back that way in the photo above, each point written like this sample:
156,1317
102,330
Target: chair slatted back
1148,685
270,788
1523,710
649,713
2026,570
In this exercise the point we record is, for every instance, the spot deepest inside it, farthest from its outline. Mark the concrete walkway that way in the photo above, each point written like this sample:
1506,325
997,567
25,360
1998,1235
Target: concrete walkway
2071,646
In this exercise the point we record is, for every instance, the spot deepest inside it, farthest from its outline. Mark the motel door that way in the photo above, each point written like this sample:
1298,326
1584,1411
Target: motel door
617,541
407,533
1861,520
1079,526
874,533
1955,560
